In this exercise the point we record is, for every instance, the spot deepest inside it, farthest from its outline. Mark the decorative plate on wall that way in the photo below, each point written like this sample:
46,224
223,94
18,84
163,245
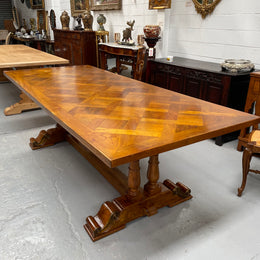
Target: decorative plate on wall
28,3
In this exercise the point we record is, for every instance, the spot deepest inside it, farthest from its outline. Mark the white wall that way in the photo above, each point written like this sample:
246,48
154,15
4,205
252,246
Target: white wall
116,20
232,31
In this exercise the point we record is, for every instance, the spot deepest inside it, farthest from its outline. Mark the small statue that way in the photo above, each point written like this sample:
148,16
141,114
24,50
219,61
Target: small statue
87,20
128,31
24,24
78,27
65,20
33,24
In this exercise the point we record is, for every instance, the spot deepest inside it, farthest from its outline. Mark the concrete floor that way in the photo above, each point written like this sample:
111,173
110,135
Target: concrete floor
45,196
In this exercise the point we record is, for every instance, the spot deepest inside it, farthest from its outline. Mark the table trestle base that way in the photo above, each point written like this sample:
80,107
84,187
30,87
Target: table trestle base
48,138
23,105
113,216
134,202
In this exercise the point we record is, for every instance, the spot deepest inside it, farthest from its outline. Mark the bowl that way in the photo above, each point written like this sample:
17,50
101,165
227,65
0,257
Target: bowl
152,31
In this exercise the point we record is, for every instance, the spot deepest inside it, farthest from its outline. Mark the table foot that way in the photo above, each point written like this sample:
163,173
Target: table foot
113,216
48,138
24,104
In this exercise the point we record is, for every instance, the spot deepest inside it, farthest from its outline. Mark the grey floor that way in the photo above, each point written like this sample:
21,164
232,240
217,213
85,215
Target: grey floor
45,196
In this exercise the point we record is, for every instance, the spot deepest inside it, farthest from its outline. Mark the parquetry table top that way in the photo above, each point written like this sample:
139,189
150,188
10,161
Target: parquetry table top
120,119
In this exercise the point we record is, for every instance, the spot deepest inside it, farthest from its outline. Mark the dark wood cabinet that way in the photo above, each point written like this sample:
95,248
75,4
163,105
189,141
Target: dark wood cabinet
79,47
200,79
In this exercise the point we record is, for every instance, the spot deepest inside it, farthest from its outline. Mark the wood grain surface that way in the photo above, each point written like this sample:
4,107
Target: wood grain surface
120,119
23,56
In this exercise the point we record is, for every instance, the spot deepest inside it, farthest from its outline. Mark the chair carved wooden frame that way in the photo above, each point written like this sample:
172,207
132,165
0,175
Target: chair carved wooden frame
252,102
250,140
252,149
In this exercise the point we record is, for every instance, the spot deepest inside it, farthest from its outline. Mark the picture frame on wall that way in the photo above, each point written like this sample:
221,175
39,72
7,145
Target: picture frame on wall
102,5
37,4
41,20
159,4
78,7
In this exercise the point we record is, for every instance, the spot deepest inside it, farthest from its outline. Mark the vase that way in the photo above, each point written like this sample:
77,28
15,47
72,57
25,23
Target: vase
101,20
87,20
152,31
65,20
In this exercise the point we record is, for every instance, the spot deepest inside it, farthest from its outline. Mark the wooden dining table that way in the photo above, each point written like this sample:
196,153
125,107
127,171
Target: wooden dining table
19,56
113,120
124,54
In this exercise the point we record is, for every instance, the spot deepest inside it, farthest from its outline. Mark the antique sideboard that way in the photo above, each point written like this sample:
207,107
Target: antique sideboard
200,79
79,47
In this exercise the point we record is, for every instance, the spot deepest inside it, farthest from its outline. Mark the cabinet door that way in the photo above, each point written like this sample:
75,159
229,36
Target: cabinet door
76,53
159,78
175,82
63,49
156,75
238,92
193,88
213,92
193,84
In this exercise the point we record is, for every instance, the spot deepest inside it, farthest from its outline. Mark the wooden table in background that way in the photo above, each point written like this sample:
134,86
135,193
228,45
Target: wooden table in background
45,45
124,55
21,56
113,120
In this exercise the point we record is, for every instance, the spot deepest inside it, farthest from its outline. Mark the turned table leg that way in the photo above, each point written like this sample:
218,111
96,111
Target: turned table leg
134,180
152,186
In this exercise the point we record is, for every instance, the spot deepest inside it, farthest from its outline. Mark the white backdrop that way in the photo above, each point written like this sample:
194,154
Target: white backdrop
232,31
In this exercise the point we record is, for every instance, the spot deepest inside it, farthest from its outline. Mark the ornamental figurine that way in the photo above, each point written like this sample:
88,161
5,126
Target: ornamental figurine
128,31
65,20
87,21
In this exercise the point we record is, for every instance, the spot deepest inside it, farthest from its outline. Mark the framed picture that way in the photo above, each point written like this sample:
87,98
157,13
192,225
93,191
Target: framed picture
37,4
101,5
41,20
78,7
159,4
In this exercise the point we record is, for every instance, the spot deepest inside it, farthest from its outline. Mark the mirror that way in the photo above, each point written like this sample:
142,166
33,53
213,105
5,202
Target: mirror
205,7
